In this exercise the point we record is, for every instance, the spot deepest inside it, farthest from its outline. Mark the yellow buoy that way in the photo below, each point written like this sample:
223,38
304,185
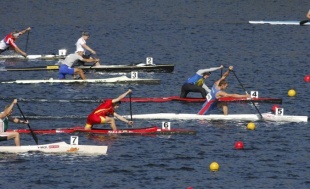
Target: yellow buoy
251,126
214,166
291,92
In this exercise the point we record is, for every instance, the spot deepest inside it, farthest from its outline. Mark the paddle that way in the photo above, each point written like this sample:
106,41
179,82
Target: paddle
130,107
96,57
34,136
301,23
247,93
27,42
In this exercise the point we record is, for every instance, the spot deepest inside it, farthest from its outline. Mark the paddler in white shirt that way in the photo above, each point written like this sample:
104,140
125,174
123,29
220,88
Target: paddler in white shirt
196,83
82,46
4,119
66,66
217,91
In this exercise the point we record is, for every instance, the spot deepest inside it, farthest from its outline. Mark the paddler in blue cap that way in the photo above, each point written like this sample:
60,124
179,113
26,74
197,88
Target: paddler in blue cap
197,84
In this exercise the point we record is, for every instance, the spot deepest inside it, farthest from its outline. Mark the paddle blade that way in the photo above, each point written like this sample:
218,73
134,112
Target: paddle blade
301,23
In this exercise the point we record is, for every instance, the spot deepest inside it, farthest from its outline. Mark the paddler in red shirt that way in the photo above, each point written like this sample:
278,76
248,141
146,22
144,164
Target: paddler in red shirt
8,43
105,113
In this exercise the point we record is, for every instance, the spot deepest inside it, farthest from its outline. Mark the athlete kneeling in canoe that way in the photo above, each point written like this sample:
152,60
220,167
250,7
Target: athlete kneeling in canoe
8,43
4,119
105,113
217,91
196,83
66,66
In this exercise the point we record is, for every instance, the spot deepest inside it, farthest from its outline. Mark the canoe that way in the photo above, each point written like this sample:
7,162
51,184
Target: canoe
278,22
119,80
33,57
59,147
164,68
226,99
158,100
231,117
128,131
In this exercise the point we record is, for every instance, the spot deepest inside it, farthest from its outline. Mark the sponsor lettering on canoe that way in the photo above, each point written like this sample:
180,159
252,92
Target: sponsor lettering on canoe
52,67
53,146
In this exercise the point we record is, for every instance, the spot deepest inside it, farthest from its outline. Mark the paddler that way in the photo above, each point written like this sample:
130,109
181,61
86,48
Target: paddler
105,113
218,91
196,83
82,46
4,121
66,66
8,43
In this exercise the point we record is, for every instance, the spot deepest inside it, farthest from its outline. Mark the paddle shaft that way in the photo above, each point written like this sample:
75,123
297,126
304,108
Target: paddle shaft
34,136
27,42
247,93
130,107
96,57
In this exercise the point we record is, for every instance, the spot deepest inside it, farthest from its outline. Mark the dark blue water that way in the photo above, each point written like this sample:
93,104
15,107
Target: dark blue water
191,35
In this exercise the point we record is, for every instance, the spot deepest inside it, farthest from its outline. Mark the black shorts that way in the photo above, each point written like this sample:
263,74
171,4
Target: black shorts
3,138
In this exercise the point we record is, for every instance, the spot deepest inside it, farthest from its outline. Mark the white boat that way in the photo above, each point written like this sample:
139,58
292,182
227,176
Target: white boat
62,53
277,22
120,79
59,147
237,117
33,57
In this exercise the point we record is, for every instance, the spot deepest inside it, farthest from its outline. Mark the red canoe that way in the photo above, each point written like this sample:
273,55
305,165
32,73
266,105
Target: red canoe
177,98
78,129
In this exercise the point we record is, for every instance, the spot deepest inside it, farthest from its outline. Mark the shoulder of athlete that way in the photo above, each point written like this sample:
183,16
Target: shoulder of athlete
221,94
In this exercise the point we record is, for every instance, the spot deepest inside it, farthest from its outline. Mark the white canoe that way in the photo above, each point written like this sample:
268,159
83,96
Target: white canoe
33,57
236,117
277,22
60,147
121,79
